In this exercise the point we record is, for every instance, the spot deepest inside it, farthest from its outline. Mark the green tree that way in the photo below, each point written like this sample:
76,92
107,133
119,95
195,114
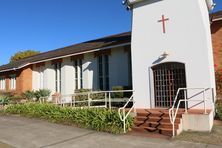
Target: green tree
23,54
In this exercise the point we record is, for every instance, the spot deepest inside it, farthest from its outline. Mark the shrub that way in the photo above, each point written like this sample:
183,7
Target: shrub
94,118
42,93
118,94
84,97
4,100
219,109
15,99
219,82
29,95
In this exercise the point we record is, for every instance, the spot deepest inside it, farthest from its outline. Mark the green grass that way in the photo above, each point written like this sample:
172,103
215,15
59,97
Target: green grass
214,137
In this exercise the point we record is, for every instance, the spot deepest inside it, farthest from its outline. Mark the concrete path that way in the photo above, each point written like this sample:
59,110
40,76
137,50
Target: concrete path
30,133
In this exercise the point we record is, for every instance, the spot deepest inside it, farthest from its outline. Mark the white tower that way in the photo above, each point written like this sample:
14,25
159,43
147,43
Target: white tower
171,49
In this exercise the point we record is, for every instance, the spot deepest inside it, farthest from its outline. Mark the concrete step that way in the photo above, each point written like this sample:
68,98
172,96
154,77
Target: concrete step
151,129
161,125
141,118
157,114
156,119
166,131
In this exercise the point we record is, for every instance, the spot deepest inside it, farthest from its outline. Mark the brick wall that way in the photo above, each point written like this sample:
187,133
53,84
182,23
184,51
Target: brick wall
23,80
216,29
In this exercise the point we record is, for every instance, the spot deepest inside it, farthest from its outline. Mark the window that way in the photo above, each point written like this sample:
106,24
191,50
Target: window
2,83
78,74
106,59
58,85
100,61
12,82
103,70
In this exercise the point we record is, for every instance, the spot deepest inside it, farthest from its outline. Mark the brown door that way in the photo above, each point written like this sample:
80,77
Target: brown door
168,78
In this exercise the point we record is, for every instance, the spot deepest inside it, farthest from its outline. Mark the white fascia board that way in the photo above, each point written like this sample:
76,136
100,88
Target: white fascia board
131,2
108,47
218,19
14,69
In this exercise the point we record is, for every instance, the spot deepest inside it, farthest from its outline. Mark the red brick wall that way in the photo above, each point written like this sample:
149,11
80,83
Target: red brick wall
23,80
216,29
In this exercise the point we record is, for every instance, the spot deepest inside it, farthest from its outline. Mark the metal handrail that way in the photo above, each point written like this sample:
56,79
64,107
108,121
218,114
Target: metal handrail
107,98
173,115
98,92
124,116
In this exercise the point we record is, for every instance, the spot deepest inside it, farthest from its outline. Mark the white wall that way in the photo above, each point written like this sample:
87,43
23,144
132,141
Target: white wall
68,81
90,72
49,77
187,40
118,68
35,78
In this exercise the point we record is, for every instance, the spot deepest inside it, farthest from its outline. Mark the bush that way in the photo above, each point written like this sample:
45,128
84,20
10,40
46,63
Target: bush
16,99
84,97
4,100
29,95
94,118
42,93
219,82
118,94
219,109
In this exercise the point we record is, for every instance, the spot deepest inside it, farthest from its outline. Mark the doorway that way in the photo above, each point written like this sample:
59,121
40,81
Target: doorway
168,78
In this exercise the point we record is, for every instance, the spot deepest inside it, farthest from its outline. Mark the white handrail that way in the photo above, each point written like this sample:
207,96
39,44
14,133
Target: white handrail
106,98
173,114
124,116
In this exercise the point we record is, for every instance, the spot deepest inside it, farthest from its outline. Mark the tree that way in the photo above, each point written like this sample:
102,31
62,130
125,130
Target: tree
23,54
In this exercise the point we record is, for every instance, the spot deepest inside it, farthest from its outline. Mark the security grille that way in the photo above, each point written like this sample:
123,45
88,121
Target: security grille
168,78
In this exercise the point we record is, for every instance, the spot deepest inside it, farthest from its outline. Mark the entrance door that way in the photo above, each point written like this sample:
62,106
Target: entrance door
168,78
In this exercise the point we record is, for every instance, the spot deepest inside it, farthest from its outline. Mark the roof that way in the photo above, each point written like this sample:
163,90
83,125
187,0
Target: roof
216,16
88,46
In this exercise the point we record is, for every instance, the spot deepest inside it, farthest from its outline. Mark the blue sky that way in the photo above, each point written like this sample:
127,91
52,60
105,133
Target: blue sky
49,24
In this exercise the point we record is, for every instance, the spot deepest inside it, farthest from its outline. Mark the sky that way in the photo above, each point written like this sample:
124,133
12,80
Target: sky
50,24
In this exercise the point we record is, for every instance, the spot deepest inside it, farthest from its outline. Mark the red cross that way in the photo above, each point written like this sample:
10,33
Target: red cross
163,20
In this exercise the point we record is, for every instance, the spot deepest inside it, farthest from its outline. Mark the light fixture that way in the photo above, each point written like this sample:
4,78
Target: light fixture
165,54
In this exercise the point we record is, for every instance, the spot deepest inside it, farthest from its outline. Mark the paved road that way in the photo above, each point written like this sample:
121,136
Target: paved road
30,133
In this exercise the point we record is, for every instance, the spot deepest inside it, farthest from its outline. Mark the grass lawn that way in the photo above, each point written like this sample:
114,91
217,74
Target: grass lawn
215,137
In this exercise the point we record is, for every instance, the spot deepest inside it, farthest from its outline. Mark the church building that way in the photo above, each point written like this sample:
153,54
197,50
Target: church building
169,48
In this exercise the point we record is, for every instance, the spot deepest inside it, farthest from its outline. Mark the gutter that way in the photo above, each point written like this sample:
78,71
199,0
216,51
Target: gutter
65,56
14,69
218,19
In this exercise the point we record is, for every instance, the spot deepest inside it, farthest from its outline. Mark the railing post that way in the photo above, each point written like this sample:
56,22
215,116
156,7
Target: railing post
110,106
124,120
213,97
106,99
185,93
74,100
204,97
88,99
